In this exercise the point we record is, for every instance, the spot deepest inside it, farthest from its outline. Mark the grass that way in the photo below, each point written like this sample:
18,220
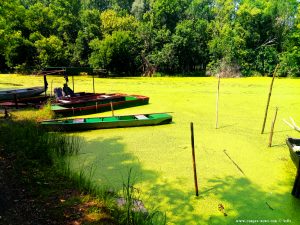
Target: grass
160,157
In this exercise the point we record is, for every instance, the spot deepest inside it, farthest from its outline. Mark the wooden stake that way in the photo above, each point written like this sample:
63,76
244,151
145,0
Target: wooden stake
194,160
269,98
73,83
217,103
45,84
16,100
112,109
93,84
272,128
51,88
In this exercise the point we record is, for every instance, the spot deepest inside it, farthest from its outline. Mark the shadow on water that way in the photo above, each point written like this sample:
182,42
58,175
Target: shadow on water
112,163
241,197
243,201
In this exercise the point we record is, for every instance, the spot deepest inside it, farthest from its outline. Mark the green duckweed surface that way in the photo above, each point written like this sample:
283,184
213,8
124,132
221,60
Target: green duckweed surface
161,157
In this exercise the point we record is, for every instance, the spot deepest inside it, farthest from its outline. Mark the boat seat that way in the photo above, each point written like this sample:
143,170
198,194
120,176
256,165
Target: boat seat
141,117
78,120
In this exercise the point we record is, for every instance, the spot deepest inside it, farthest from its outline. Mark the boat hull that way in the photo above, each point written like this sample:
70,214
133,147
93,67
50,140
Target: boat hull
127,101
294,148
21,93
295,155
83,124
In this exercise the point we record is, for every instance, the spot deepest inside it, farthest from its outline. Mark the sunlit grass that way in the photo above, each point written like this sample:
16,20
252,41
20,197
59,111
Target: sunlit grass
160,156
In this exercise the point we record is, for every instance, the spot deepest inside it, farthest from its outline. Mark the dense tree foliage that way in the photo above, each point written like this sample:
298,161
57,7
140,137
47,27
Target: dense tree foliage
131,37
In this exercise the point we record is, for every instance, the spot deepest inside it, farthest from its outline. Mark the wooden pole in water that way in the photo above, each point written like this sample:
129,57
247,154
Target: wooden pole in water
73,83
194,160
16,100
112,109
93,84
269,98
51,88
217,104
272,128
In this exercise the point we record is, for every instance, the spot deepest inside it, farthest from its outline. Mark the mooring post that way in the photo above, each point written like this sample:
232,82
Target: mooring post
269,98
16,100
93,84
112,108
272,128
217,103
194,160
73,83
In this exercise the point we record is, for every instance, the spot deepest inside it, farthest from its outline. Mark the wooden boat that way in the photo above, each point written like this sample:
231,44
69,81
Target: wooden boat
88,100
117,103
21,93
82,124
294,148
13,94
35,102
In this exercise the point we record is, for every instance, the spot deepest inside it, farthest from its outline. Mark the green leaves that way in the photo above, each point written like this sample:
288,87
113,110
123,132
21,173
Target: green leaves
169,35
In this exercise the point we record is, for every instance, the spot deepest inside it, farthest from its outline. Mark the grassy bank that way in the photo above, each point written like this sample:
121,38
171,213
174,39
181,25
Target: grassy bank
37,185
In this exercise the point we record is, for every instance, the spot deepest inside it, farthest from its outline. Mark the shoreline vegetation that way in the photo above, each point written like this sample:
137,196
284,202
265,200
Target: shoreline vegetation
142,37
39,188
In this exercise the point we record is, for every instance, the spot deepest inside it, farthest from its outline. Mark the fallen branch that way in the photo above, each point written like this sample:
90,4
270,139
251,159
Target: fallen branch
293,124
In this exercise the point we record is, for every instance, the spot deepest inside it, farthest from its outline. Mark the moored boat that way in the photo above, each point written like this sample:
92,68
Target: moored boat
89,100
16,94
36,101
124,101
21,93
294,148
82,124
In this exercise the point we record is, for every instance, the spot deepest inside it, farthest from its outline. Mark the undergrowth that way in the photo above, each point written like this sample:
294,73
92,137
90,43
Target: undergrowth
46,156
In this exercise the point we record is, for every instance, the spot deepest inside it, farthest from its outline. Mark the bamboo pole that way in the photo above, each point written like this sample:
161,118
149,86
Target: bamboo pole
16,100
194,160
112,109
272,128
217,104
73,83
93,84
51,88
269,98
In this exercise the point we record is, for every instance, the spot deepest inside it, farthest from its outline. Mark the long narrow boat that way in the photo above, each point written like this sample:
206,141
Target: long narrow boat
82,124
36,101
89,100
294,148
21,93
102,106
13,94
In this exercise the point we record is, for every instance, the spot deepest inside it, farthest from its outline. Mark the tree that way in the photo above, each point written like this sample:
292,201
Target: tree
90,29
39,18
227,42
51,52
111,21
116,52
138,9
166,12
290,58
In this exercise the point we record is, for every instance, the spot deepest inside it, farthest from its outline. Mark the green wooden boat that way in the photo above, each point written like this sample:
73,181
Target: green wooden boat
82,124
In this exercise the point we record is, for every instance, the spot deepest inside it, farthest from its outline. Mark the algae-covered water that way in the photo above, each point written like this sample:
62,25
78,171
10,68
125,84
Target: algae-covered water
253,186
